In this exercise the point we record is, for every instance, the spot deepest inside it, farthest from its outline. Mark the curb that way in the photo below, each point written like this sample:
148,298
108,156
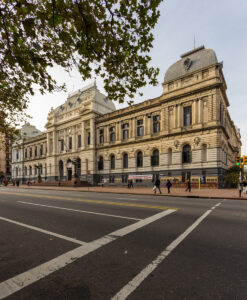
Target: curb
122,193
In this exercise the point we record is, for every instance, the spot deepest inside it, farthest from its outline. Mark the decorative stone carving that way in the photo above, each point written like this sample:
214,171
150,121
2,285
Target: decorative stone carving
176,143
187,63
197,140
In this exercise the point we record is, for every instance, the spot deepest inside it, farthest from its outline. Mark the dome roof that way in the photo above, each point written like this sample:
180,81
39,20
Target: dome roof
191,61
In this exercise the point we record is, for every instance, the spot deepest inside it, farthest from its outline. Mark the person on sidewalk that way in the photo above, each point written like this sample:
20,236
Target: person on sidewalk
17,182
131,184
168,185
157,184
188,186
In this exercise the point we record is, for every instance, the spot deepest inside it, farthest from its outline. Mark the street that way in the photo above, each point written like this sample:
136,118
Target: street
87,245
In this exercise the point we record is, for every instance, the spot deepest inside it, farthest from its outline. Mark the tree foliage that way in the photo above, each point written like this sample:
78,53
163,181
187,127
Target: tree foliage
232,176
108,38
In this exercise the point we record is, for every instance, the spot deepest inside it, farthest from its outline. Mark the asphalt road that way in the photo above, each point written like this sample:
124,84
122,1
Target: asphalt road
78,245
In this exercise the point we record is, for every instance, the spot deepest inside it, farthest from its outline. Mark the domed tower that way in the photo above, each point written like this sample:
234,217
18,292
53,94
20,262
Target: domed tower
194,105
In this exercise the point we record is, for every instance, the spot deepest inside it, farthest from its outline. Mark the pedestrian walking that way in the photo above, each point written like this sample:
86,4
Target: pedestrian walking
6,182
157,185
131,185
17,182
168,185
188,186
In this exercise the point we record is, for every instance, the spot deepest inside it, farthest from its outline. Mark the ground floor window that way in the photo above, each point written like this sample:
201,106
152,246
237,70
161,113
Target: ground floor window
124,178
111,179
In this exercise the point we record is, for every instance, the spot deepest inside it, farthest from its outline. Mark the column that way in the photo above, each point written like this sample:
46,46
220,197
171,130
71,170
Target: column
74,138
175,117
199,109
48,144
179,123
162,119
194,112
92,131
83,135
133,129
54,142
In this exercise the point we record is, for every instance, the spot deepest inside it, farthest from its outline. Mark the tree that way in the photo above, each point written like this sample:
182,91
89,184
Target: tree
232,176
108,38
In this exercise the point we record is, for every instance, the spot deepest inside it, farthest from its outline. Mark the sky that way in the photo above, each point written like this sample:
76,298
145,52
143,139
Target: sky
220,25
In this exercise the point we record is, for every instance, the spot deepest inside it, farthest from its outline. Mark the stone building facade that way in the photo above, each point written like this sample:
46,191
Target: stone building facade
5,157
185,133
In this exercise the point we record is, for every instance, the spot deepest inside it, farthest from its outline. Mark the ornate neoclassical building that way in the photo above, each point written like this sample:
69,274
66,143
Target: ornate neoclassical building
185,132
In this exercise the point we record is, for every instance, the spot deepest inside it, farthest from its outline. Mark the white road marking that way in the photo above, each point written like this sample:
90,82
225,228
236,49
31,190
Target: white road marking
139,278
81,211
44,231
20,281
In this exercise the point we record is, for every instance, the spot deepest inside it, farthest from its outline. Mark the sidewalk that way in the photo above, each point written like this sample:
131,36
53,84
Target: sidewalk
175,192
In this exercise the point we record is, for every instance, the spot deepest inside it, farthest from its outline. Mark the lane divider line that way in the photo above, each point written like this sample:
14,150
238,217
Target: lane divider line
44,231
139,278
20,281
80,211
93,201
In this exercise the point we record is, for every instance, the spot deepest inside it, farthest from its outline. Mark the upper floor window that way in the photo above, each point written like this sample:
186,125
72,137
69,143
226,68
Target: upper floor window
156,123
140,128
204,153
155,158
25,153
17,155
125,160
125,128
70,142
35,151
139,159
79,141
112,162
41,150
89,139
101,136
187,116
31,152
186,154
112,134
62,145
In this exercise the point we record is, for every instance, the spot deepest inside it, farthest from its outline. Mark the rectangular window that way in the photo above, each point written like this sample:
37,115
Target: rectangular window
17,155
41,150
79,141
125,131
30,152
101,136
140,128
70,142
156,123
35,151
111,179
187,116
62,145
112,134
89,139
25,153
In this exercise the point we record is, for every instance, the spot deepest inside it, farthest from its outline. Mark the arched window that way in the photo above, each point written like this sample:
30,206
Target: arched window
139,159
17,172
186,154
169,156
155,158
204,153
101,163
125,161
30,170
112,159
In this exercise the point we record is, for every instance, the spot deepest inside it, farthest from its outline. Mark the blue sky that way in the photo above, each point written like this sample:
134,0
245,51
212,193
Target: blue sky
219,24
